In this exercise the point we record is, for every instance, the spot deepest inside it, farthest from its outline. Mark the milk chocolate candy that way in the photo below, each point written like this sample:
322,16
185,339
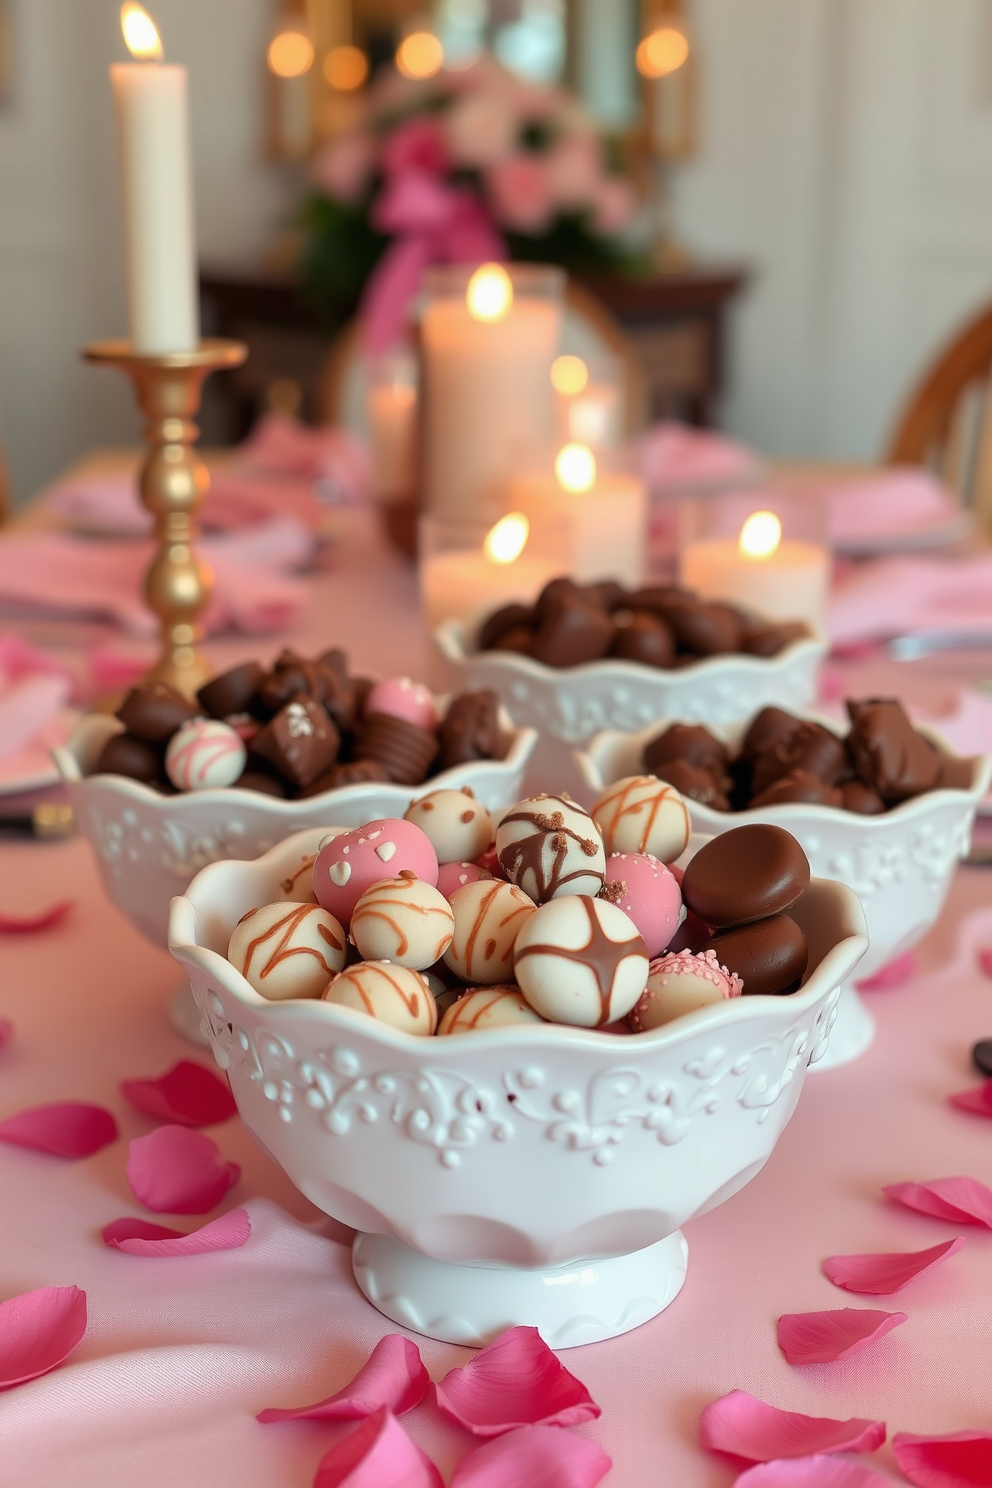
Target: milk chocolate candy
769,640
470,729
353,772
799,785
153,711
520,640
300,742
510,618
887,751
659,598
233,691
571,633
809,747
124,754
705,629
956,773
554,593
864,799
745,874
690,742
645,638
689,780
767,728
608,595
770,956
263,782
404,750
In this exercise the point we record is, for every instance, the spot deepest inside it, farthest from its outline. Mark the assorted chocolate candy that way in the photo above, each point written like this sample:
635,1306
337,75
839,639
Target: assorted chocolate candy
882,762
659,627
445,923
300,728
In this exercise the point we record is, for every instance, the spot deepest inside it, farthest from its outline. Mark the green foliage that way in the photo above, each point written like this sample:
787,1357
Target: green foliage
341,248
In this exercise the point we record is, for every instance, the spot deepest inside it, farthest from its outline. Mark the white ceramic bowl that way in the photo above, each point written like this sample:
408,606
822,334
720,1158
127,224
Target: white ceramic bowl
532,1175
150,845
899,864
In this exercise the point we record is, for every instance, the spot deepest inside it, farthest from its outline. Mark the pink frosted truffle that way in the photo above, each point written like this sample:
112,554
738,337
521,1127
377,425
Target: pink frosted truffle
353,861
680,983
401,697
452,876
648,893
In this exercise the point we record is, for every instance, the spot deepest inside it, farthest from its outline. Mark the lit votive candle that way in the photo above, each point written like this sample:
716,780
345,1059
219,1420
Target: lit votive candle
781,578
466,583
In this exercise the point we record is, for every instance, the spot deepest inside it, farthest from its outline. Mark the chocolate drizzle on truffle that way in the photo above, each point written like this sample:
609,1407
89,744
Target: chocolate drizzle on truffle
601,955
527,854
283,931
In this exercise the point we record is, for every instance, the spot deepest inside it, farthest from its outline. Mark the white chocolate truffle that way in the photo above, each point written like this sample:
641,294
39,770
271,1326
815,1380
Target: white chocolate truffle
403,920
459,827
392,994
288,949
548,846
580,960
205,754
298,883
641,814
682,983
489,915
492,1007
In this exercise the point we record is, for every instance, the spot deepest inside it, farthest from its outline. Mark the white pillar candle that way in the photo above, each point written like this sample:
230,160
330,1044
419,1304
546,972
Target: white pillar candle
153,135
392,414
467,583
596,521
783,579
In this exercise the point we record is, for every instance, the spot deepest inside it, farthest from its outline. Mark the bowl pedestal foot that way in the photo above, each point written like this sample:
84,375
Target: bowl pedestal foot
185,1016
583,1302
852,1034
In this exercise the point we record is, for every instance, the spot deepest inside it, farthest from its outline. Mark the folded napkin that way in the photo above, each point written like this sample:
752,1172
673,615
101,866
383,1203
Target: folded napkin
887,506
677,457
903,595
34,690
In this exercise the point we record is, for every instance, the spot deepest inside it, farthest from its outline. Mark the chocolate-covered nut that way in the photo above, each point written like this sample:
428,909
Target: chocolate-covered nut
645,638
571,633
520,640
300,742
233,691
324,680
263,782
690,742
404,750
705,629
470,729
511,617
864,799
745,874
125,754
767,728
799,785
809,747
354,772
887,751
690,780
153,711
769,640
770,956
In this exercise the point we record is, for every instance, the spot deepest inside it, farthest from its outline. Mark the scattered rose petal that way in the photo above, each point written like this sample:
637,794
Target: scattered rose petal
811,1472
985,962
514,1381
744,1427
38,1330
28,924
66,1128
960,1200
188,1093
6,1031
533,1457
977,1100
824,1337
377,1454
961,1460
177,1171
885,1273
140,1238
394,1377
893,974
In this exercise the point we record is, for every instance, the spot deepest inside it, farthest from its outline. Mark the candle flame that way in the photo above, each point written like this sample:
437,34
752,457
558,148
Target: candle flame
489,295
507,540
760,535
664,51
575,468
569,375
140,33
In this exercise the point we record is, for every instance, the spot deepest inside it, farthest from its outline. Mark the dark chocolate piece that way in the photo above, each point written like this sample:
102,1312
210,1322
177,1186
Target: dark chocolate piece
659,598
700,785
470,729
354,772
570,634
887,751
981,1056
404,750
809,747
301,742
153,711
510,618
233,691
607,595
799,785
554,593
646,638
767,728
520,640
690,742
770,956
705,629
956,772
263,782
861,798
325,680
125,754
745,874
769,640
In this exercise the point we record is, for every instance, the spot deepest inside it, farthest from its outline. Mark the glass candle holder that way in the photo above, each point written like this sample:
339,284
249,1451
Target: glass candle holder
589,394
766,551
391,410
468,569
488,338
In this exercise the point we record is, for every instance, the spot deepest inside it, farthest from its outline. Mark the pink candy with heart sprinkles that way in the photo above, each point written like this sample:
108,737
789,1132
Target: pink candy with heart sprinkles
353,861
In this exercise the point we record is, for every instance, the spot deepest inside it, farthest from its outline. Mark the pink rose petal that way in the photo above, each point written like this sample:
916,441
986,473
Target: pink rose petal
741,1426
188,1093
824,1337
959,1200
811,1472
533,1457
38,1330
377,1454
177,1171
140,1238
394,1377
985,962
977,1100
6,1031
891,975
29,924
514,1381
66,1128
961,1460
885,1273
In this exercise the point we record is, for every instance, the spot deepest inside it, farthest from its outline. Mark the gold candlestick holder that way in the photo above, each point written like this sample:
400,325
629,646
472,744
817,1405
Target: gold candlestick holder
173,482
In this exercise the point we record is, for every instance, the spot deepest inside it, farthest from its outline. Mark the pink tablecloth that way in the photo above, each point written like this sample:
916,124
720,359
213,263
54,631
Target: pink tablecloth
181,1354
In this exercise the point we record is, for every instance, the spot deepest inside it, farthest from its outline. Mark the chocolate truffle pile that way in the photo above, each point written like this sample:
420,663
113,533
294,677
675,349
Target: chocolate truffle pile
296,729
542,924
660,627
882,762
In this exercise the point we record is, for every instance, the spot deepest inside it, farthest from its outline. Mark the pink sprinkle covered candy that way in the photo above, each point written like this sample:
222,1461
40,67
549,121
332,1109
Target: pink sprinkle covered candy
680,983
178,1171
38,1330
452,876
401,697
65,1129
825,1337
514,1381
353,861
648,893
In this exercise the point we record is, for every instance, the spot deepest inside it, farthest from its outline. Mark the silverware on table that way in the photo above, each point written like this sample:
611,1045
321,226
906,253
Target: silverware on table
928,642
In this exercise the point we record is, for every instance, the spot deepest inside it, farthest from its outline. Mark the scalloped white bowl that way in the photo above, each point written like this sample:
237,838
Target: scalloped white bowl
150,845
899,864
532,1175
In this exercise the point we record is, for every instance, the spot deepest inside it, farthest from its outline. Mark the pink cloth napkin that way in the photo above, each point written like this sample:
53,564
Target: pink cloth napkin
902,595
676,456
255,592
894,503
34,689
